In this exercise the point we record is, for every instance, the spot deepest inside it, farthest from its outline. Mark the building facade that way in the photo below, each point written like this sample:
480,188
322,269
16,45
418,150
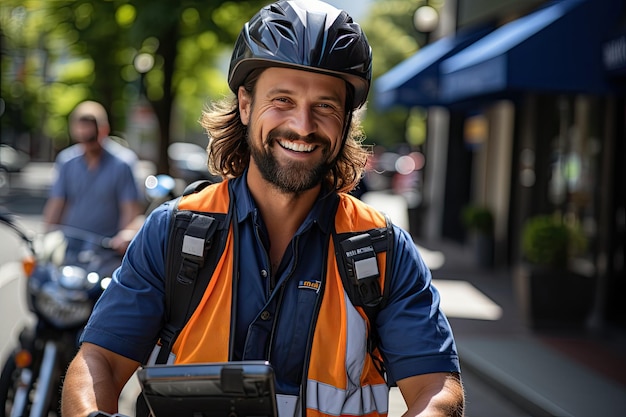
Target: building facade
527,105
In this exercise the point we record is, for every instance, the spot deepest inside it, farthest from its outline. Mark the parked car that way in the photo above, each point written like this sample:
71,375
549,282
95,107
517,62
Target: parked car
188,162
11,161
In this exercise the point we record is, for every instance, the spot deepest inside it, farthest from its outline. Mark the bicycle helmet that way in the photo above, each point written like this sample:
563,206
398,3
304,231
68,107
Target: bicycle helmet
308,35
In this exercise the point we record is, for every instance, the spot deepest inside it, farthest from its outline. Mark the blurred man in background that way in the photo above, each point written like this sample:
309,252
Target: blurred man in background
94,190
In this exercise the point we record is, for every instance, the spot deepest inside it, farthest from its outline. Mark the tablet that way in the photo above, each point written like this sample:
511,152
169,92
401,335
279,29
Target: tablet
234,389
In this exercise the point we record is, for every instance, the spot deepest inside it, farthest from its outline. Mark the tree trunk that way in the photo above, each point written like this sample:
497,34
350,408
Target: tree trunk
163,107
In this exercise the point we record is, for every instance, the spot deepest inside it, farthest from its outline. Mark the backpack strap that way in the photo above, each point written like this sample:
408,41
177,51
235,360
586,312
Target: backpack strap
196,186
358,267
196,241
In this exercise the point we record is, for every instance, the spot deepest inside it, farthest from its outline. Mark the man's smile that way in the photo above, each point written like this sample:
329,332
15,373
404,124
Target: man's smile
297,147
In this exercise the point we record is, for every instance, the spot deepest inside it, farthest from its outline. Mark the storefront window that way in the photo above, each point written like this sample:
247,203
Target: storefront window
575,154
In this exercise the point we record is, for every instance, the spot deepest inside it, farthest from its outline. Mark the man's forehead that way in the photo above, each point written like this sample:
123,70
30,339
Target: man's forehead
285,75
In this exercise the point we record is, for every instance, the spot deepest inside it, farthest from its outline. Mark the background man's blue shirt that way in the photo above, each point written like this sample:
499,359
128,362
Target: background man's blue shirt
93,196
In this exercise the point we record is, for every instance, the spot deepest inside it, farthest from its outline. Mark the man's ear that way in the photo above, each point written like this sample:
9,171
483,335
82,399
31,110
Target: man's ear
103,130
244,105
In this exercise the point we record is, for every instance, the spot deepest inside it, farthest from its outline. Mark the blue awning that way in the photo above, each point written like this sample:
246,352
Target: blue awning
415,81
557,48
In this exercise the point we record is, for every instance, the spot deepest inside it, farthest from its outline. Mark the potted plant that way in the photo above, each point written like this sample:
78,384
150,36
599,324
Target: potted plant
551,293
550,242
478,220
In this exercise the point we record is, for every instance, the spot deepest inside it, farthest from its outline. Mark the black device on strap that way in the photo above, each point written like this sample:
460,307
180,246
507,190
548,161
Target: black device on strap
359,266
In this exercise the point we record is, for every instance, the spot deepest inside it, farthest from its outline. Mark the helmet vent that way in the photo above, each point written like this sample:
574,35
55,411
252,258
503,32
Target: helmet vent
285,29
344,40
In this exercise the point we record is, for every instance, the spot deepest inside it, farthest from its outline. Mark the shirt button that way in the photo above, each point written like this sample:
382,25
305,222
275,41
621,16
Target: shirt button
265,315
263,273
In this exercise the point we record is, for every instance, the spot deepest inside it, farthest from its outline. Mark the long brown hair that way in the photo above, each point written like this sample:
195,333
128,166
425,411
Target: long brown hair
229,154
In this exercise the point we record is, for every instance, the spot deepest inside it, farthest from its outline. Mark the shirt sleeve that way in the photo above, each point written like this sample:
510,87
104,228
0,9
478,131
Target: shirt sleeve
415,336
129,314
58,189
128,190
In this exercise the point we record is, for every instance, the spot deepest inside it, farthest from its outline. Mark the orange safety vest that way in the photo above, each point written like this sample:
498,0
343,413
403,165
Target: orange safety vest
342,379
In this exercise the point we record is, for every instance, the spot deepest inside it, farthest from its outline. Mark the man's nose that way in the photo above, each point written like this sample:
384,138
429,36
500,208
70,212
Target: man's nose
304,121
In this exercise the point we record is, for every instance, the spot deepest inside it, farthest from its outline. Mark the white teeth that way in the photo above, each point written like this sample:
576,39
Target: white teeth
297,147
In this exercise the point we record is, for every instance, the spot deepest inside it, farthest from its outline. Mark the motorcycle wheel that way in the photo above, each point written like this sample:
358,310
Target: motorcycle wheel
8,380
24,394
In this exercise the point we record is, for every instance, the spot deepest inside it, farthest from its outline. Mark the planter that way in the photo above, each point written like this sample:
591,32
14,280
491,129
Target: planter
553,298
483,246
479,223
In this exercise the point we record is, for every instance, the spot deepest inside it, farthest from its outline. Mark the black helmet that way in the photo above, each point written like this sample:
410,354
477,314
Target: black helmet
308,35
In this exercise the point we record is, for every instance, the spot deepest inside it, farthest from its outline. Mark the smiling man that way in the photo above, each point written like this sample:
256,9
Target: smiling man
288,144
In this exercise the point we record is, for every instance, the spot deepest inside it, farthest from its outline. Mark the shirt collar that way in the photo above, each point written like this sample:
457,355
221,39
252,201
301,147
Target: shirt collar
324,204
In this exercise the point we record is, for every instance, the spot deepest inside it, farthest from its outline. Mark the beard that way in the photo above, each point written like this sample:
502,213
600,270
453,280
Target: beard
293,177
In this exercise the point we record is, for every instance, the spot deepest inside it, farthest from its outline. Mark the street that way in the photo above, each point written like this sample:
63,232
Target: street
459,300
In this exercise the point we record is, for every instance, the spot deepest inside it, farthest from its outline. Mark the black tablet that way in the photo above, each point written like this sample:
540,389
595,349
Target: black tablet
234,389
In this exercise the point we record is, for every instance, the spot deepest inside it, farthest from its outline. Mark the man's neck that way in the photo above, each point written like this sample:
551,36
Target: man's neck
92,157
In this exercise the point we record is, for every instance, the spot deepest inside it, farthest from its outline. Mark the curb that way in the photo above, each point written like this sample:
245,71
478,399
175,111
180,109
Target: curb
540,380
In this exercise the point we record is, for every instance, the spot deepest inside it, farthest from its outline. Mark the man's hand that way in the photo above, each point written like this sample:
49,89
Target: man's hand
122,239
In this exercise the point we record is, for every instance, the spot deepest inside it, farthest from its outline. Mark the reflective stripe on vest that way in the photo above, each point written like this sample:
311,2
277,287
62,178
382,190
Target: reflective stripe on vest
342,380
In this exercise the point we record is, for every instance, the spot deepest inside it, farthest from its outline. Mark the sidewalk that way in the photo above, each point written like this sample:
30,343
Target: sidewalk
546,374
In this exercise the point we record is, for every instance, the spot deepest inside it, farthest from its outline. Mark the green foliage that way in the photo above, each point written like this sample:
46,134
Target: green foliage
86,49
547,240
390,31
478,219
58,53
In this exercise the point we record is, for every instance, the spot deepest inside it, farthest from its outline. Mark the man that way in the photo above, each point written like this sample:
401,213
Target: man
289,148
94,190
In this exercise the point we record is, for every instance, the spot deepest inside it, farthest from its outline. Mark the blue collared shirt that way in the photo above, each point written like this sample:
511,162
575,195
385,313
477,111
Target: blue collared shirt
93,196
274,312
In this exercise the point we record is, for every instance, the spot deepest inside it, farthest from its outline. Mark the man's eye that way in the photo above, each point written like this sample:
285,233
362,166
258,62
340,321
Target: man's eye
326,107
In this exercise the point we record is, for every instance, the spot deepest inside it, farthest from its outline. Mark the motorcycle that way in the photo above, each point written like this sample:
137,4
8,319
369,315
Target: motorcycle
66,271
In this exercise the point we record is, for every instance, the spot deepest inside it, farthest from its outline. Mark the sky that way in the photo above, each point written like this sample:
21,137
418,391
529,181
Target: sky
355,8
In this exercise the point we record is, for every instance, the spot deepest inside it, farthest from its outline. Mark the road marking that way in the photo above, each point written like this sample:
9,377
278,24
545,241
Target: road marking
462,300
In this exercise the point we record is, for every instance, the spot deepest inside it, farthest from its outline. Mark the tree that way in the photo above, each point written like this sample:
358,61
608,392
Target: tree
55,54
89,48
190,38
390,31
